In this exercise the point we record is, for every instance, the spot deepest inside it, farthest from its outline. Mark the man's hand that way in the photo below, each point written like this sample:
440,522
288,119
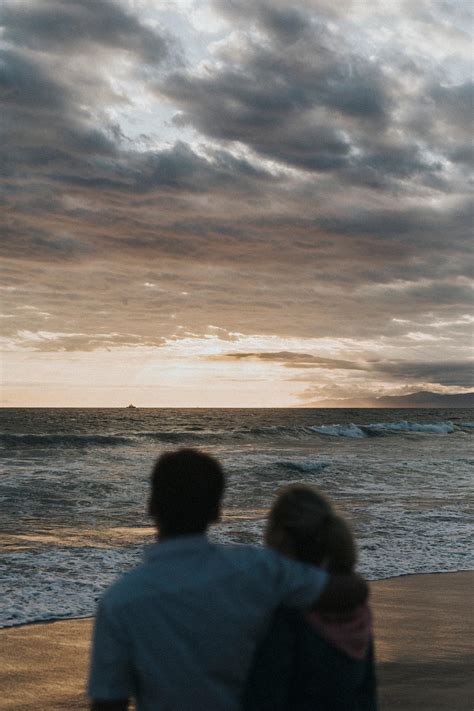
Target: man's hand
115,705
343,593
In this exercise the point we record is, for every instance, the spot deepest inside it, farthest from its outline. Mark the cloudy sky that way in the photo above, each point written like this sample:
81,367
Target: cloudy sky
234,202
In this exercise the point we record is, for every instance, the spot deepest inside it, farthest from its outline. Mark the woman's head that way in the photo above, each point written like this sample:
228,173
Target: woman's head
303,525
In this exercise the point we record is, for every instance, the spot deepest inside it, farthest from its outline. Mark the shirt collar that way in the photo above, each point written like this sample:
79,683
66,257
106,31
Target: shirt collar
176,544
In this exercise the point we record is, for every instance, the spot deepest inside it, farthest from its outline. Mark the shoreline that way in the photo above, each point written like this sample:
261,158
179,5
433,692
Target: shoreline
423,637
372,581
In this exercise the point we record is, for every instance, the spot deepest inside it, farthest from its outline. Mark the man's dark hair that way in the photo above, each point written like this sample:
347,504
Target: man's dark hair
186,492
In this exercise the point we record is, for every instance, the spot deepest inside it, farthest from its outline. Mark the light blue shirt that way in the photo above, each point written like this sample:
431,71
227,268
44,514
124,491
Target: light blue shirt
178,633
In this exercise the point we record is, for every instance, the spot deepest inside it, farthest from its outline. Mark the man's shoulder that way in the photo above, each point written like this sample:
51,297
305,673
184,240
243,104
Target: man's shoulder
125,587
242,559
245,554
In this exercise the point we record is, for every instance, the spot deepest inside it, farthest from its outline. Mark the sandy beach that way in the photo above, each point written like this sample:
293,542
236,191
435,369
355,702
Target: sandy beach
424,632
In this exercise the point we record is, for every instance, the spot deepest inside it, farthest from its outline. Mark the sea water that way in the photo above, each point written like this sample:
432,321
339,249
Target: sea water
74,486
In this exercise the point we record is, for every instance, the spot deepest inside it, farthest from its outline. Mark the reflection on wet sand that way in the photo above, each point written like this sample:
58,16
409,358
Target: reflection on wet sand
64,536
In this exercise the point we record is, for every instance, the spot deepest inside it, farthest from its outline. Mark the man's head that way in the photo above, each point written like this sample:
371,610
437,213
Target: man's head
186,492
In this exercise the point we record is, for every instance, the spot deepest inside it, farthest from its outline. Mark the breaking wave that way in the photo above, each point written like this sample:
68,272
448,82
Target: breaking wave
208,437
352,431
387,428
303,466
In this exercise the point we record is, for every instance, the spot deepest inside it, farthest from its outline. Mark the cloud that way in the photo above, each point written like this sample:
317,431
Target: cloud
291,359
24,84
454,105
41,245
321,104
301,89
301,173
280,21
73,25
64,71
363,374
43,129
449,373
306,114
51,341
181,169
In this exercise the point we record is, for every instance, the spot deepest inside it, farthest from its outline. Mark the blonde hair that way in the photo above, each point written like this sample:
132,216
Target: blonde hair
302,523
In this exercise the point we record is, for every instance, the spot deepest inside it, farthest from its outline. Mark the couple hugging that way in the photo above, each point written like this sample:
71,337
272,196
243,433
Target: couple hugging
206,627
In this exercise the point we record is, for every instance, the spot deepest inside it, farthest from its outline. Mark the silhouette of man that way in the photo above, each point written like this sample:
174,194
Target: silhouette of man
178,633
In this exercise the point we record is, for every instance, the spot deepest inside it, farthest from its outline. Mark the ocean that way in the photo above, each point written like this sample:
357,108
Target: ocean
74,485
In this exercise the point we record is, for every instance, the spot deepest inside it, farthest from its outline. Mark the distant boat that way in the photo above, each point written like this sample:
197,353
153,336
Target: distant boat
131,407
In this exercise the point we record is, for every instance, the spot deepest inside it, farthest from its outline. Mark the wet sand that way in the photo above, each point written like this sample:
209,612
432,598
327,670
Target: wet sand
424,627
424,642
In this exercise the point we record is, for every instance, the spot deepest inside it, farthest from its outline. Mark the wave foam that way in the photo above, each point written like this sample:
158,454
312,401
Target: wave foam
209,436
380,428
351,430
404,426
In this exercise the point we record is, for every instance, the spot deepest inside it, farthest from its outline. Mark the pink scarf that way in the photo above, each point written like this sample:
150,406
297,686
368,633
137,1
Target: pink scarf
350,635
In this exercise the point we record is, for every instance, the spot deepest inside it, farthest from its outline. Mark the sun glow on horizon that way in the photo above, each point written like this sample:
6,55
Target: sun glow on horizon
218,370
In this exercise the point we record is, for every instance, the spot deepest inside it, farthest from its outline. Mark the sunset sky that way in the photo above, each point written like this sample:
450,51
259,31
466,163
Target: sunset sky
235,202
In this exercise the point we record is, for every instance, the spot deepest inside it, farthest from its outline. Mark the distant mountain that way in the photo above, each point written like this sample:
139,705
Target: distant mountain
420,399
426,399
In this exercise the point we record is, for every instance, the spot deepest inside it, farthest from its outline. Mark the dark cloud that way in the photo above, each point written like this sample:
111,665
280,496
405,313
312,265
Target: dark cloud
55,89
41,245
181,169
462,153
439,373
295,112
441,293
441,120
280,21
291,359
454,104
319,105
448,373
416,226
24,84
391,160
43,130
68,25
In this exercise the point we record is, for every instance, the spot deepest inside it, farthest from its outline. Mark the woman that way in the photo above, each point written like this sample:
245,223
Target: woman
310,661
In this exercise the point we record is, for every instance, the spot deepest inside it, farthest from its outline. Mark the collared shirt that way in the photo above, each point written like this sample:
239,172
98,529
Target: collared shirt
178,633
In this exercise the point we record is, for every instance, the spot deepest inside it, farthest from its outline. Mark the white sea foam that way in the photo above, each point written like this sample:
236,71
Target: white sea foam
426,427
358,431
350,430
57,583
